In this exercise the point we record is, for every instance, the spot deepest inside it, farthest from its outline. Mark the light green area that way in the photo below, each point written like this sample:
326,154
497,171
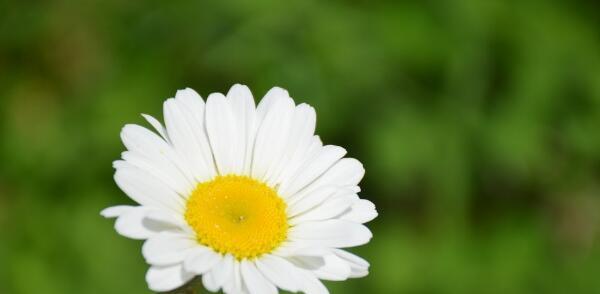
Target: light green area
477,122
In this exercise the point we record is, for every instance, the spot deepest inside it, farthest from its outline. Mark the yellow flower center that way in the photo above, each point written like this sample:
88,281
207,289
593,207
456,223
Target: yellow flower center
237,215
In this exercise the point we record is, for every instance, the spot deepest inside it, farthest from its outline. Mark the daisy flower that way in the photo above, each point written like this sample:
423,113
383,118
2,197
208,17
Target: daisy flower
245,196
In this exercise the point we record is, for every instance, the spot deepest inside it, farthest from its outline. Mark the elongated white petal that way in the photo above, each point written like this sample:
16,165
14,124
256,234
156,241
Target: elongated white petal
331,233
311,263
291,249
219,274
143,141
310,283
147,190
201,259
134,223
334,269
157,126
162,216
347,172
272,136
273,95
208,281
168,248
362,211
234,284
193,108
160,169
297,146
313,169
310,200
314,148
223,134
359,266
244,112
279,271
167,278
115,211
180,130
255,282
330,208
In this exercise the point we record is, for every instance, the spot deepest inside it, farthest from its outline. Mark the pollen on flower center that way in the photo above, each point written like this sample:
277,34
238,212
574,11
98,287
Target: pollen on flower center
237,215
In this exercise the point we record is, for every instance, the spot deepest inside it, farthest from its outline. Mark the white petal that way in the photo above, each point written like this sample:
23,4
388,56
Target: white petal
222,134
200,259
143,141
359,266
331,233
147,190
347,172
234,283
314,147
168,248
311,263
310,283
157,126
279,271
115,211
167,278
208,281
310,200
219,274
330,208
161,216
255,282
160,169
273,95
193,109
135,224
291,249
361,211
180,128
303,129
313,169
335,269
243,109
272,135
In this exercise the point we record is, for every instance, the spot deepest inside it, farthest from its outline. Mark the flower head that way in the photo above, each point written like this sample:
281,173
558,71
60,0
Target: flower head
246,196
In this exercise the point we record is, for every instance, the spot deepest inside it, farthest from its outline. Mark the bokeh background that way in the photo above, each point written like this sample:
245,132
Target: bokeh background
477,122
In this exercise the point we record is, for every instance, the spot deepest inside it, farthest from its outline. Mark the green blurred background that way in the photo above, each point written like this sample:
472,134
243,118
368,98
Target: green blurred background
477,122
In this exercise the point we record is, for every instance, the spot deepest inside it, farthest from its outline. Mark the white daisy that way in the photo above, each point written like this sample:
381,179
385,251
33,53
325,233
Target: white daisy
247,197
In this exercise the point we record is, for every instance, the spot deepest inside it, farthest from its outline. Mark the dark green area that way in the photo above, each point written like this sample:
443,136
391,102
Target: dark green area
477,122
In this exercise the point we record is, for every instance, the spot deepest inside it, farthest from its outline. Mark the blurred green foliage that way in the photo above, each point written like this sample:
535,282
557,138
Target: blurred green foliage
476,121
